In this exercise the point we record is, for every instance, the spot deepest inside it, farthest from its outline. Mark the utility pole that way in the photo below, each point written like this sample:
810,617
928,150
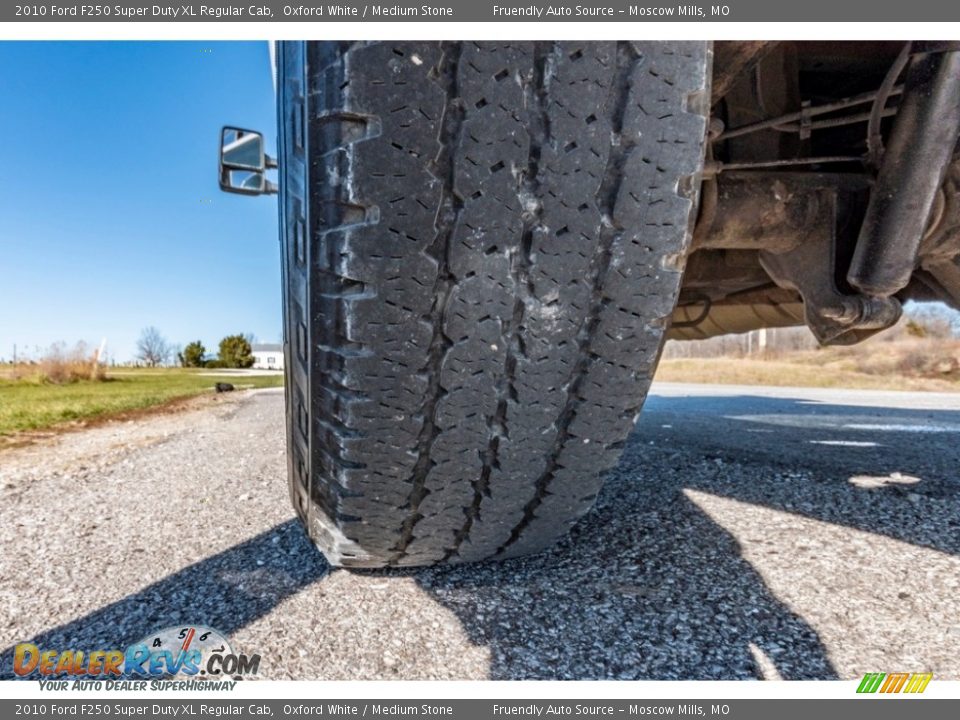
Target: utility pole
97,359
99,353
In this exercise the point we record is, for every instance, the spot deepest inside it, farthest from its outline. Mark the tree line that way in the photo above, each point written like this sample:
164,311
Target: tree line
154,350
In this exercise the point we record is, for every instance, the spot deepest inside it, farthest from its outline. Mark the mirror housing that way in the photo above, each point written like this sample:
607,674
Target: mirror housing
243,162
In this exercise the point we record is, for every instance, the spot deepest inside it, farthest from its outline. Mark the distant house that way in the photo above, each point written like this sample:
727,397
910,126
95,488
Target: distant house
268,356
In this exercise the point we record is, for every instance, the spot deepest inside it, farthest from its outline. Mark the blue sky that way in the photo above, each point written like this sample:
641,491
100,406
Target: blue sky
110,215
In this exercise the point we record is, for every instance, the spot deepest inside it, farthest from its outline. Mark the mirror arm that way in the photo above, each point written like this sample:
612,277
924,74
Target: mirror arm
269,162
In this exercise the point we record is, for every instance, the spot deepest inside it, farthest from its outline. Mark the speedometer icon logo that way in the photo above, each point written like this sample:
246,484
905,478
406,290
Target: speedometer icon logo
185,650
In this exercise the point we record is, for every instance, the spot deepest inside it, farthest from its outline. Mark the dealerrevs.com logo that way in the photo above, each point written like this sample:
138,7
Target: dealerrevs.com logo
191,652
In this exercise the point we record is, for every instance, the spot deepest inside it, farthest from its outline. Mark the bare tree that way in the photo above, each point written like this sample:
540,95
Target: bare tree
152,347
933,319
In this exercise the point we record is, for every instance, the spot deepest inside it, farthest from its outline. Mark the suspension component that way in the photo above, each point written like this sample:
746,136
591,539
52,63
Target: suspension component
913,167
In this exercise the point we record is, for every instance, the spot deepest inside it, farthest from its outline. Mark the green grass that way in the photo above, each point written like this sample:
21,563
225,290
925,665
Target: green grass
30,405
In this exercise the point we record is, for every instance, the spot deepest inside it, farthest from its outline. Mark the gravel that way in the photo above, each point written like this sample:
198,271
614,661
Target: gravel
736,539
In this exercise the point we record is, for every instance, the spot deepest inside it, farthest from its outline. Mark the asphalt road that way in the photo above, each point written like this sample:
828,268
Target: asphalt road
747,532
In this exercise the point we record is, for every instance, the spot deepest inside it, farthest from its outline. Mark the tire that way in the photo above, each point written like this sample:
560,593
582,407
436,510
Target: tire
482,245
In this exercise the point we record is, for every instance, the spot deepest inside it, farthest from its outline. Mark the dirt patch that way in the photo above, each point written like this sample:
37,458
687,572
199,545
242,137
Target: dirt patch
169,407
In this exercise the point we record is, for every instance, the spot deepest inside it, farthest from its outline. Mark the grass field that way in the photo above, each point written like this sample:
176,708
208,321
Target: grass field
31,405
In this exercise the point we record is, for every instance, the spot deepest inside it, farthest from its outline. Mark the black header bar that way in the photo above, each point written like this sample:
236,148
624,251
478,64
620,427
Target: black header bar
613,11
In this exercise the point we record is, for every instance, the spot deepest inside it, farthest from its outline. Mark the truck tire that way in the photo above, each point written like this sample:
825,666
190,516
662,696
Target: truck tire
482,245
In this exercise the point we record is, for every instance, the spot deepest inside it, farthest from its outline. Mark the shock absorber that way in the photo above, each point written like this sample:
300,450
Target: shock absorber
912,170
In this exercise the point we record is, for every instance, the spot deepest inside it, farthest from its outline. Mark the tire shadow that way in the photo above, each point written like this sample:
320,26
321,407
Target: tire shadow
647,586
225,591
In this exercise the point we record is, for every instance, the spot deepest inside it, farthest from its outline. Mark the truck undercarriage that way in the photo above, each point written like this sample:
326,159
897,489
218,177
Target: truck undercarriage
830,192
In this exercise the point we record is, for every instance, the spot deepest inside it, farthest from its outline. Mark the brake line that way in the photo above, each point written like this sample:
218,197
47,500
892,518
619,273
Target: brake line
777,122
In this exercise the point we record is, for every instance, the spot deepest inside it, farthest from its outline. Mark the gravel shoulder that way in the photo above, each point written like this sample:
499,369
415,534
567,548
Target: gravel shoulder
713,552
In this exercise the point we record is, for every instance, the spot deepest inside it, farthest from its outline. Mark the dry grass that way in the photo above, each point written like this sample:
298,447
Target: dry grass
927,358
60,365
920,352
904,363
738,371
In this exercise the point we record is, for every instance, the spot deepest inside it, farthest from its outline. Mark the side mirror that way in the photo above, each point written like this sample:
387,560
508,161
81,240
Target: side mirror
243,163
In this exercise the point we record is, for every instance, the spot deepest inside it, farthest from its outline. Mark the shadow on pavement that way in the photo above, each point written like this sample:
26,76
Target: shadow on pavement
225,591
818,460
648,587
645,587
